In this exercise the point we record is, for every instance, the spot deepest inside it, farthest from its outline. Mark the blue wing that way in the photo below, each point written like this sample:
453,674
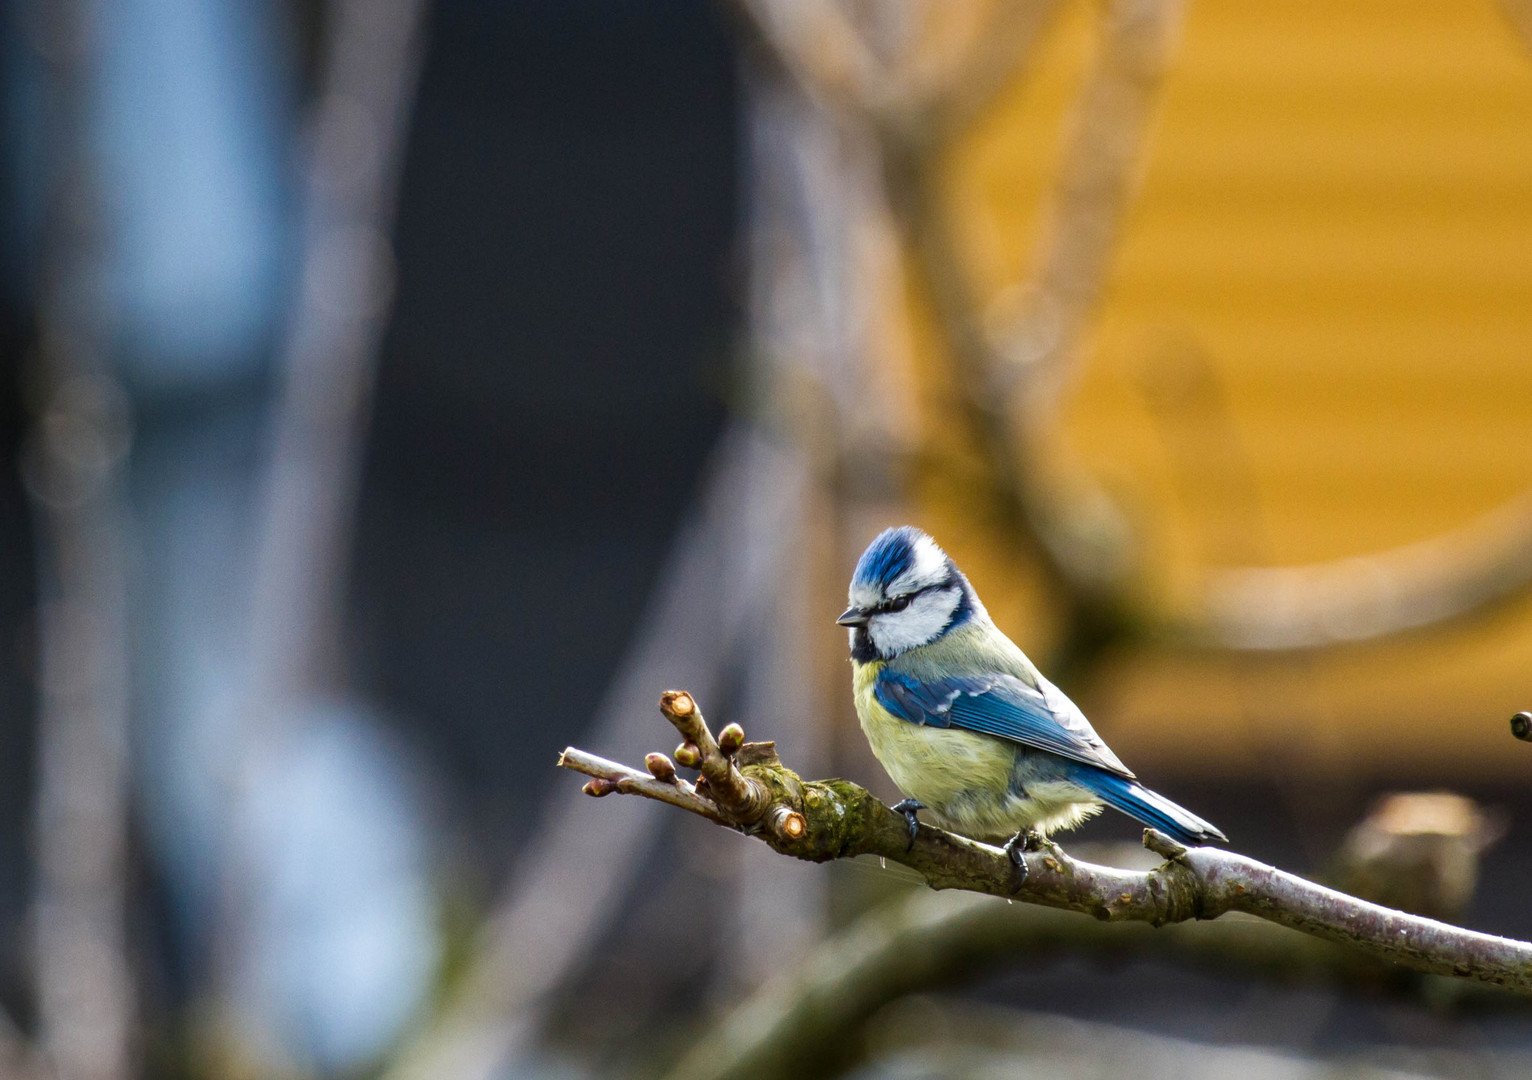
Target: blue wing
1004,706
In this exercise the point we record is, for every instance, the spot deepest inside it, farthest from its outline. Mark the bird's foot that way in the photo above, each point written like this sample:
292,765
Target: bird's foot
908,807
1017,847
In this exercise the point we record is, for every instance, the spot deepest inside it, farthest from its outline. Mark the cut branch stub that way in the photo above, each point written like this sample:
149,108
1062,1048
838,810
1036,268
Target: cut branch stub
788,824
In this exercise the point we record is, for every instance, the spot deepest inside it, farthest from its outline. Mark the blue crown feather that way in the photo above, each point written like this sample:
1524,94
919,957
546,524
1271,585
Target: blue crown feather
887,557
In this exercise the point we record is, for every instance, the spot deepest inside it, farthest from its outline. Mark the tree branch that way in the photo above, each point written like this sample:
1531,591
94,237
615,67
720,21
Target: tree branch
746,787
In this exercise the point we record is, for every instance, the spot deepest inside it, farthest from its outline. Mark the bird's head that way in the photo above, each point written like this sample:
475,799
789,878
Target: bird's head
905,593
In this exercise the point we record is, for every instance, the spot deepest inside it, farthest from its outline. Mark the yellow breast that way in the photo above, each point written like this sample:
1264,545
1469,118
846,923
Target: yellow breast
945,768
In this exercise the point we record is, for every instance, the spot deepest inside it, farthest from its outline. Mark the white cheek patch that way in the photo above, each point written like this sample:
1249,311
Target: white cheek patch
928,566
922,622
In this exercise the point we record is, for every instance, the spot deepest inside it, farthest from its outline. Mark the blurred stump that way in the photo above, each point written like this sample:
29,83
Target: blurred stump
1419,852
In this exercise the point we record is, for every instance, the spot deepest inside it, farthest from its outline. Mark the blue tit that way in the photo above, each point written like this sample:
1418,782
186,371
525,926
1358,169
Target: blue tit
962,721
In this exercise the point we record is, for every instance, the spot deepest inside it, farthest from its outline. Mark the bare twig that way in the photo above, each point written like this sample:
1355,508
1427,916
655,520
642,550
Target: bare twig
610,777
835,819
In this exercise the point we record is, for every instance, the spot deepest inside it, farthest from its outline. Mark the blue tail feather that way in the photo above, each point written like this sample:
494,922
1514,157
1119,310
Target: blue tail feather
1150,807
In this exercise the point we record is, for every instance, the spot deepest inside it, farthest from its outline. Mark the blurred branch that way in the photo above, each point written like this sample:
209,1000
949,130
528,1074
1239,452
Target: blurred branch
750,790
73,467
1460,574
1096,181
829,58
824,52
1080,540
1273,1038
353,160
802,1023
548,916
328,359
1010,381
996,59
1520,14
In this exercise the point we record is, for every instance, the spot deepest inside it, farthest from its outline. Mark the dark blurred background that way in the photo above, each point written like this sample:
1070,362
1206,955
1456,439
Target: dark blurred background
569,280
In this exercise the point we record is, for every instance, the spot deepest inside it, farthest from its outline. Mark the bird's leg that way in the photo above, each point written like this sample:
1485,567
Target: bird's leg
908,807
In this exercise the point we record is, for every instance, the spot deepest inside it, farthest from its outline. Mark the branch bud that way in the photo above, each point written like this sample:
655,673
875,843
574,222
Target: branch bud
731,738
599,787
661,767
1521,726
688,755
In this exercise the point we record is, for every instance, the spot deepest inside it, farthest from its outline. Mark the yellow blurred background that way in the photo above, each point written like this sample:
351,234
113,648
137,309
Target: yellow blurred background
1333,230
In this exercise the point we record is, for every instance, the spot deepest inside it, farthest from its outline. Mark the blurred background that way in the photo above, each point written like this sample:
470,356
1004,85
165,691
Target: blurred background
393,393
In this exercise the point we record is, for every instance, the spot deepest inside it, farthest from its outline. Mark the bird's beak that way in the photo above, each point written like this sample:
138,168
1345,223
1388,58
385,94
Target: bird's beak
852,616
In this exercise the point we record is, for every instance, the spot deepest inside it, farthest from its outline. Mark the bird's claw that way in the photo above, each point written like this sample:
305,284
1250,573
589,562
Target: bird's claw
1017,847
908,807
